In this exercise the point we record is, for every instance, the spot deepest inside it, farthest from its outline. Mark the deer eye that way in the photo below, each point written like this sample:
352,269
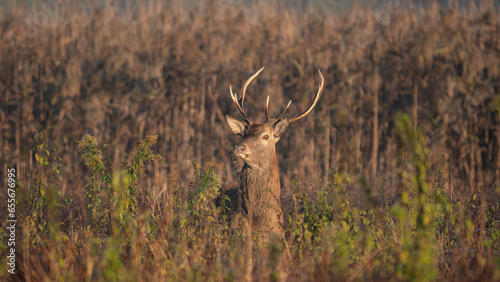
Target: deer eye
266,137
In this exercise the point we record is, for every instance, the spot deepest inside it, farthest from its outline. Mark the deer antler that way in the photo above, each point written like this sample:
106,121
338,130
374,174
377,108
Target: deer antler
247,119
243,115
283,112
245,85
267,109
239,102
315,101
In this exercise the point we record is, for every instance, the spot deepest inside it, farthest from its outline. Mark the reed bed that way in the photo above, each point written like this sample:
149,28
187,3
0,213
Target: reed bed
113,113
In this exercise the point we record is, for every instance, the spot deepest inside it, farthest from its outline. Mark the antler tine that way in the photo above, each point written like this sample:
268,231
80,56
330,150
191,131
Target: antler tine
267,109
282,113
245,85
315,101
242,113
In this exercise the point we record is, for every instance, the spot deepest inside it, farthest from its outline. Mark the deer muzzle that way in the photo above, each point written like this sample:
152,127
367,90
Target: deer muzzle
241,151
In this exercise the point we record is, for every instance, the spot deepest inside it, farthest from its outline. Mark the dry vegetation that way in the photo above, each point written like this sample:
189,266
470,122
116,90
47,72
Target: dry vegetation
394,176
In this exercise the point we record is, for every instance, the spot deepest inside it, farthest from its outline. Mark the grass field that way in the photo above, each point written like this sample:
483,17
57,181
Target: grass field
112,115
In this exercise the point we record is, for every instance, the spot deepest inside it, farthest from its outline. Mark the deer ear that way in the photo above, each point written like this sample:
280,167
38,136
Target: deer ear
280,127
236,126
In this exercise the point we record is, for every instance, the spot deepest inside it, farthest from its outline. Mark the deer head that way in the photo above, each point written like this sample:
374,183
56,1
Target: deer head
259,140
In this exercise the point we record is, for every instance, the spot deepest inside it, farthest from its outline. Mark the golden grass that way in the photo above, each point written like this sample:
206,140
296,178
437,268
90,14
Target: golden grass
371,193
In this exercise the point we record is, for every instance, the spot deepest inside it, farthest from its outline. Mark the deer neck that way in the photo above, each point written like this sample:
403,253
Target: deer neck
261,189
262,177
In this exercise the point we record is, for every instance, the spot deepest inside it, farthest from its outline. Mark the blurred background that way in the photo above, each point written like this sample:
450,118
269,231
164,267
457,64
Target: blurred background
394,174
119,70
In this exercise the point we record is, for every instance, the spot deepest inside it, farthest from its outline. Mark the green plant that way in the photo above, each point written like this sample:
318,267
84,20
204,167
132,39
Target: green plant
118,190
415,214
44,197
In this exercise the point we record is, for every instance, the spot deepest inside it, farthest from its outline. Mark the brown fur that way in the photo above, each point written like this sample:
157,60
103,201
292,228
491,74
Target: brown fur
259,191
260,184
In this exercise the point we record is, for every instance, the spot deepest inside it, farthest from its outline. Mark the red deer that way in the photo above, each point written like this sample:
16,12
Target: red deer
260,183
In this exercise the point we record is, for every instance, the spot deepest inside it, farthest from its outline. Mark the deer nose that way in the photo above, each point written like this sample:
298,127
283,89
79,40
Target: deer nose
239,148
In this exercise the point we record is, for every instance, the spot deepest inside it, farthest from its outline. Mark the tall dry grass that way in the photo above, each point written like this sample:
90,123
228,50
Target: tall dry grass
351,172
